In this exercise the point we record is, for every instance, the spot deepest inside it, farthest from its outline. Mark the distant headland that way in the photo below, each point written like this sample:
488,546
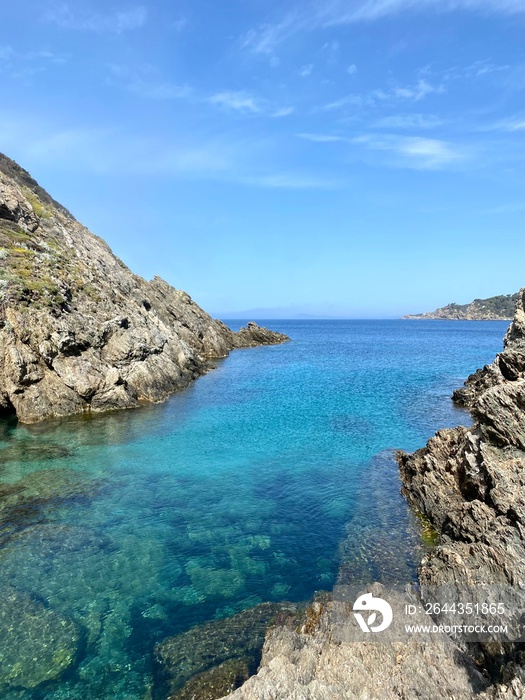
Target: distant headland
498,308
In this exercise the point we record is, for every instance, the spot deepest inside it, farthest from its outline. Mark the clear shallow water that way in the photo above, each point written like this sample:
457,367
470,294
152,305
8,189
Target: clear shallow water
137,525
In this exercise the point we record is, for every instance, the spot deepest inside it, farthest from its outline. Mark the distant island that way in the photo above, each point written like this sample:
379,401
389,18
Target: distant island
499,308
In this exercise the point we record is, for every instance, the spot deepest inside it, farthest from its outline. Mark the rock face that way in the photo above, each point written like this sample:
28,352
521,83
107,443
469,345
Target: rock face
470,483
315,662
78,330
500,308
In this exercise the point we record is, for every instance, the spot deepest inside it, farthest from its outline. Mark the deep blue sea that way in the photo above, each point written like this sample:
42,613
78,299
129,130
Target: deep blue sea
251,485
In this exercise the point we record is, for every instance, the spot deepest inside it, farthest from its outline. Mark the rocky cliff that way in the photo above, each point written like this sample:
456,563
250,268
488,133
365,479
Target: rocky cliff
78,330
499,308
470,485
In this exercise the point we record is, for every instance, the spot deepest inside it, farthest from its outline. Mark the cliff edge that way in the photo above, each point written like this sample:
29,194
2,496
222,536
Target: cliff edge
78,330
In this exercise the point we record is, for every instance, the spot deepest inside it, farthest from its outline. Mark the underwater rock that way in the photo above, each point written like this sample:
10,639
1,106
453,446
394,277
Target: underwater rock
205,647
37,644
215,682
34,497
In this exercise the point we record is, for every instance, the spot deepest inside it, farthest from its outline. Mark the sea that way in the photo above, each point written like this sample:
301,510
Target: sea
259,482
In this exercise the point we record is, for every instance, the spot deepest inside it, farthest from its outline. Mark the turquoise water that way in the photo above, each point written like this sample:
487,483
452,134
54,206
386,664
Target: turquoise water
249,486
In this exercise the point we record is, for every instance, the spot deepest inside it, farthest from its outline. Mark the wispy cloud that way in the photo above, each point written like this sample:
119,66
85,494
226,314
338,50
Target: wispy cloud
306,70
224,156
283,112
23,66
312,15
84,18
322,138
145,81
352,69
414,151
293,181
408,121
418,91
244,103
237,102
339,12
511,124
411,93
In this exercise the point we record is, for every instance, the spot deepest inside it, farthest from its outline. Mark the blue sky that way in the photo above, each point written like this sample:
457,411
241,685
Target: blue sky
360,158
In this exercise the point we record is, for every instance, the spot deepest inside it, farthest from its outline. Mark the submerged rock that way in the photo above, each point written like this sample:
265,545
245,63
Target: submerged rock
213,658
37,644
78,330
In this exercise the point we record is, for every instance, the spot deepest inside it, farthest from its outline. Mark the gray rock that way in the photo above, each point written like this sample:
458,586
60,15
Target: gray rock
78,330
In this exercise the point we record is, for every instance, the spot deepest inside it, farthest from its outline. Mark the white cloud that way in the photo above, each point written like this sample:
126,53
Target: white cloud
418,91
414,151
306,70
408,121
332,45
338,11
312,15
237,102
292,181
412,93
511,124
244,103
85,19
355,100
351,69
283,112
321,138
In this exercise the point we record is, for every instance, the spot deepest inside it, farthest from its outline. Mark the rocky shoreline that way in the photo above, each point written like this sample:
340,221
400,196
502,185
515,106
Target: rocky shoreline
469,485
79,332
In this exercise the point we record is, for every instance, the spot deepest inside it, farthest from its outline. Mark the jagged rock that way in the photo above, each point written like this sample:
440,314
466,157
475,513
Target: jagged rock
317,662
78,330
470,483
253,335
